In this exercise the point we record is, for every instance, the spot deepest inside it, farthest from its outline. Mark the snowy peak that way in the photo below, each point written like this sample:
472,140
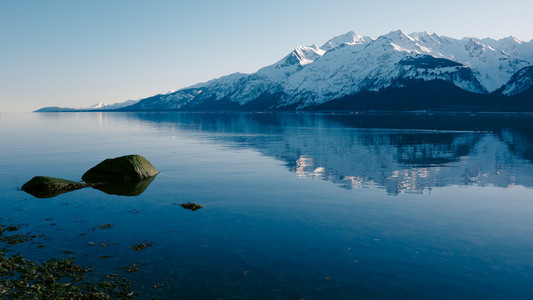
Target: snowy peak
103,106
512,39
476,49
417,43
509,41
397,35
290,64
429,40
304,55
96,106
349,38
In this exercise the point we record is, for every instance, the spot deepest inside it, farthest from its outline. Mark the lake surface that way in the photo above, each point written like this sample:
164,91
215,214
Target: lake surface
312,206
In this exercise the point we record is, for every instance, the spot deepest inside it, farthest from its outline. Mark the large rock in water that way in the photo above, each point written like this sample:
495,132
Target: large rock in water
120,170
47,187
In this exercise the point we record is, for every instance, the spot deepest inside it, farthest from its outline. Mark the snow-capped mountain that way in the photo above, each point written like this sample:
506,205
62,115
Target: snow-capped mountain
350,67
95,107
103,106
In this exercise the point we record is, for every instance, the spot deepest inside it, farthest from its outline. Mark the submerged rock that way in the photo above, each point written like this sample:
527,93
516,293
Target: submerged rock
191,206
124,169
47,187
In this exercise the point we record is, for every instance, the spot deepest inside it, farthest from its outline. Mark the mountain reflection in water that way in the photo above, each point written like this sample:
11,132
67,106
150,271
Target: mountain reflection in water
400,152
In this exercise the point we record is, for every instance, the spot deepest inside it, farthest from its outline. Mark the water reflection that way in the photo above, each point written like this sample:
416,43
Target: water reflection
134,188
131,188
406,152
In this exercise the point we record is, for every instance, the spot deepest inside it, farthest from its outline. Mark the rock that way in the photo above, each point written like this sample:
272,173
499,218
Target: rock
191,206
47,187
124,169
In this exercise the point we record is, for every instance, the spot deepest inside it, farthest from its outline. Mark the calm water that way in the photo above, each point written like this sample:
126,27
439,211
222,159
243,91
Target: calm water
295,205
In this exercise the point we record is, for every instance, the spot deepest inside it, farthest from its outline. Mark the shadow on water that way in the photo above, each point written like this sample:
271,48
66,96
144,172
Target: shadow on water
401,152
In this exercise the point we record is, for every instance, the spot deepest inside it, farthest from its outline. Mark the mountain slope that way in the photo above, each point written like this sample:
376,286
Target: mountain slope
351,67
96,107
519,82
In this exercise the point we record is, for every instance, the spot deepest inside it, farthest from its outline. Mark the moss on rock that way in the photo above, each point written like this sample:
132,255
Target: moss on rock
128,168
47,187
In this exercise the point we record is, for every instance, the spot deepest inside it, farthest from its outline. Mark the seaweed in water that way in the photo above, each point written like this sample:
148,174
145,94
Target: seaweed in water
191,206
21,278
141,246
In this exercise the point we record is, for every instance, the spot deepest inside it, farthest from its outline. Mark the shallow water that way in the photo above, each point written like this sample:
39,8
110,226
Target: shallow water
312,206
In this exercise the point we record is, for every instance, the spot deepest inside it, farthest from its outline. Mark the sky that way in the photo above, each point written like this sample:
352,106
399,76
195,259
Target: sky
78,53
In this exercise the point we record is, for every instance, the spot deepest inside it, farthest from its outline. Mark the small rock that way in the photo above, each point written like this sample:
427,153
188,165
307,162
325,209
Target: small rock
12,228
109,225
47,187
191,206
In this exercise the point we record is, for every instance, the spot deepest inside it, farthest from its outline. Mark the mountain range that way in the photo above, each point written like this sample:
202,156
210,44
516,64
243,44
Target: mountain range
396,71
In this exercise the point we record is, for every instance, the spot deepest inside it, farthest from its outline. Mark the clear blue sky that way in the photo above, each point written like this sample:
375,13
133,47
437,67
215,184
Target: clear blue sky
77,53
